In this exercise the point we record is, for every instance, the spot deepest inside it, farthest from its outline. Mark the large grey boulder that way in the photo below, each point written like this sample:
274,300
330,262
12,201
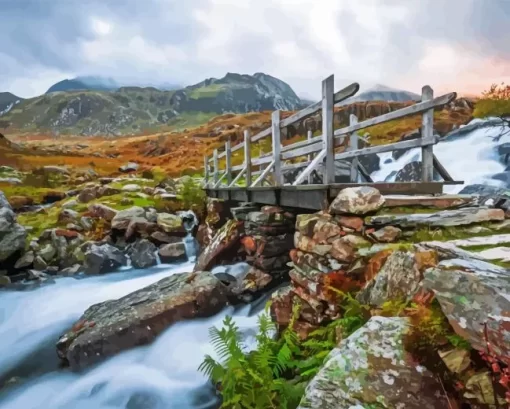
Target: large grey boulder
103,259
357,200
143,254
122,219
12,235
138,318
371,369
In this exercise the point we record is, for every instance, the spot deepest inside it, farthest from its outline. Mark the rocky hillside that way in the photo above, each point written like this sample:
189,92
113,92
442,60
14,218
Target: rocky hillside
129,110
7,102
83,84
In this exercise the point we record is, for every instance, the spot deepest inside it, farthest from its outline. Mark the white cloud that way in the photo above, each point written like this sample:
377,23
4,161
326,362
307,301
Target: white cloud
395,42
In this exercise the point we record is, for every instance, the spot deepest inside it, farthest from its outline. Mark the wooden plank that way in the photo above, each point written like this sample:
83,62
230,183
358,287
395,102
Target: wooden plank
401,113
441,169
328,86
365,173
261,135
263,174
247,156
353,145
239,175
216,167
309,136
277,146
313,164
413,143
239,146
220,179
228,162
339,97
427,133
237,167
261,160
304,150
206,171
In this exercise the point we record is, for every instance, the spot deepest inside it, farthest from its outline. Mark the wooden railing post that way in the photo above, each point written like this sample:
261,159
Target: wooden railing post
228,161
215,167
328,92
353,145
309,136
427,135
206,171
277,147
247,156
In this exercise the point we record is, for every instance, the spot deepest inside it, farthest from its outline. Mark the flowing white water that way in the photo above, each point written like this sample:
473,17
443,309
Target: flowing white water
162,375
472,158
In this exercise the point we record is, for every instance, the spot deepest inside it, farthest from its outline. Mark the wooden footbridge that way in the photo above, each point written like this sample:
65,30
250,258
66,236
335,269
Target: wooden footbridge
317,155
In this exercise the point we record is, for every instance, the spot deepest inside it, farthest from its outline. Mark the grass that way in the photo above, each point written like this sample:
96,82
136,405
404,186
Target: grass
209,91
39,221
36,193
451,233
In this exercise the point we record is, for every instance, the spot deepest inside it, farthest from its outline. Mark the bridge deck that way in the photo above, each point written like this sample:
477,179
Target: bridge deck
316,197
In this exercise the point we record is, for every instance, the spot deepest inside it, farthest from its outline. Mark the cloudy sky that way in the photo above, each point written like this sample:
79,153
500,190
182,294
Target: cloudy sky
453,45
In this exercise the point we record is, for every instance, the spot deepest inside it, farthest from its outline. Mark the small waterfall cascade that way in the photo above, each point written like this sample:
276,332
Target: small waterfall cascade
189,221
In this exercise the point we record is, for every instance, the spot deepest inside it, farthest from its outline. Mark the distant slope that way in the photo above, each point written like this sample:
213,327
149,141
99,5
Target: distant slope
383,93
7,101
84,83
130,110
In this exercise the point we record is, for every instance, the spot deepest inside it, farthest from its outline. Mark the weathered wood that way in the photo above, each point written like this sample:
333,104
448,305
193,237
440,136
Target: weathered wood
247,156
220,179
216,167
238,167
441,169
277,146
400,113
427,133
206,171
304,150
339,97
413,143
261,135
261,160
263,174
309,136
353,145
228,162
239,176
238,147
364,173
313,164
328,86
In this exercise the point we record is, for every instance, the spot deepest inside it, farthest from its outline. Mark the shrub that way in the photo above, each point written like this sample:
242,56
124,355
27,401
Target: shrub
192,195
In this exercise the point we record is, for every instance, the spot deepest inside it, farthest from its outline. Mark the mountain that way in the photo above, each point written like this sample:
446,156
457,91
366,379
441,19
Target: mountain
383,93
130,110
84,83
7,101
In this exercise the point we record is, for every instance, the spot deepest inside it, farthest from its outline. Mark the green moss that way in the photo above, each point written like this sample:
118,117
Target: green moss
210,91
449,233
407,210
40,221
483,247
115,201
36,193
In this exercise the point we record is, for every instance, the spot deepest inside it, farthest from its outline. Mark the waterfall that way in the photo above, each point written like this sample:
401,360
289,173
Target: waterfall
189,221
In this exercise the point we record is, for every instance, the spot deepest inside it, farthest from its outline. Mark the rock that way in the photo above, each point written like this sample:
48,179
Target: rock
102,211
444,218
474,295
68,216
19,202
55,169
70,271
131,188
103,259
129,167
40,264
357,200
437,202
143,254
26,261
11,181
108,190
87,195
4,281
456,360
224,240
126,201
140,225
122,219
138,318
53,197
12,235
245,282
151,215
398,279
173,252
388,234
70,204
160,237
412,172
170,223
370,368
86,223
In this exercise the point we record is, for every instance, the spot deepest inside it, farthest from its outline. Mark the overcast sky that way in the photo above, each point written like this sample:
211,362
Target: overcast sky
453,45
